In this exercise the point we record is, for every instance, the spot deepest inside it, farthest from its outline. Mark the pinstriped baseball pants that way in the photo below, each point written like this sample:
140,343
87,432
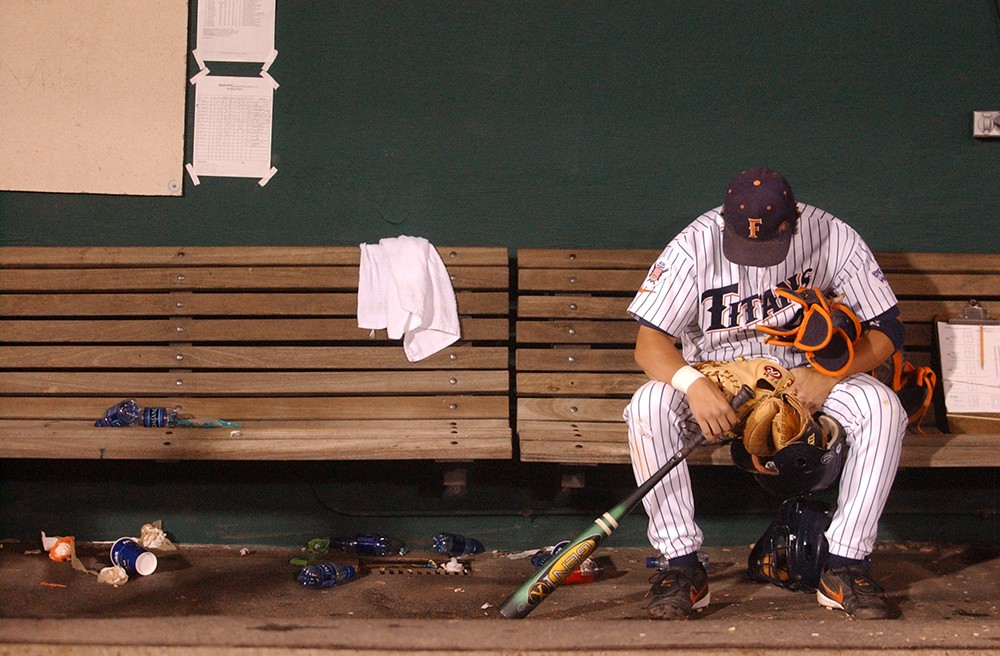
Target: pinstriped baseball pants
874,422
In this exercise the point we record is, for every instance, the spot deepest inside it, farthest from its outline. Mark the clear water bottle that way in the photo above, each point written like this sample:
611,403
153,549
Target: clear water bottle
369,544
123,413
454,544
661,561
325,575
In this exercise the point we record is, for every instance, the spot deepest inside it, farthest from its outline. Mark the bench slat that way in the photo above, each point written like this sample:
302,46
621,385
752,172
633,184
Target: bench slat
207,278
273,408
602,443
461,440
183,329
113,356
576,359
571,409
577,332
273,382
159,256
201,304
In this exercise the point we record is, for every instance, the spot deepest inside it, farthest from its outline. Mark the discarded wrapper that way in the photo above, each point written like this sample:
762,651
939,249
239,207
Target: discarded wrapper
61,549
152,536
113,575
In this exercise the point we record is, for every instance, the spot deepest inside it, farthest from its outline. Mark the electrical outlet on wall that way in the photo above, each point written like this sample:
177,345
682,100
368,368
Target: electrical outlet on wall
986,124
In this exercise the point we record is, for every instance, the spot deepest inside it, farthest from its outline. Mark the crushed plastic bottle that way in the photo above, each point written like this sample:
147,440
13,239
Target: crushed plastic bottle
325,575
123,413
455,544
369,544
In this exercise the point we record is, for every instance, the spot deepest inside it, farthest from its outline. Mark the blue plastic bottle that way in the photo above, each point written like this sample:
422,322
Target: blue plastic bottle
325,575
158,417
454,544
369,544
123,413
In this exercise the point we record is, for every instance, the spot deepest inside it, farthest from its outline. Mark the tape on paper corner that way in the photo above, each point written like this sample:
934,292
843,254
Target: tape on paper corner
197,57
199,76
267,76
194,176
269,60
267,178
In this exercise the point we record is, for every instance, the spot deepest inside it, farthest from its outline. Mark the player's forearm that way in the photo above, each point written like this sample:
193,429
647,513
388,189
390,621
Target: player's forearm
657,355
870,351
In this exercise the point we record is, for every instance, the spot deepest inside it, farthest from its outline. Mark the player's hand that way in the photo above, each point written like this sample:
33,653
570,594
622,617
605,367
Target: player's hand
811,388
710,409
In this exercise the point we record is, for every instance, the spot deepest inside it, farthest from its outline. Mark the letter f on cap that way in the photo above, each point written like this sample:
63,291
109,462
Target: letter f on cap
754,227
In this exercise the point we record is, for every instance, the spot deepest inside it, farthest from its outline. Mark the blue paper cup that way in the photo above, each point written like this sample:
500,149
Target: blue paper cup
132,557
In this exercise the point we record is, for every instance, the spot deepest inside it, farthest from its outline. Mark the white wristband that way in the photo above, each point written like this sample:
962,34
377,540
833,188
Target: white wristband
684,377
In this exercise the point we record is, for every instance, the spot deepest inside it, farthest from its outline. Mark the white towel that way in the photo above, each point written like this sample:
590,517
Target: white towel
404,287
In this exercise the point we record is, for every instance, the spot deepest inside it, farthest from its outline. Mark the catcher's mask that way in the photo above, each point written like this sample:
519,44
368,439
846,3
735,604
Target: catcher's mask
793,550
799,468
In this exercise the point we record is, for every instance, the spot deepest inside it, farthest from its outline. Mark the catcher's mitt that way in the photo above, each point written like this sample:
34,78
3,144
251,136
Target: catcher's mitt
772,418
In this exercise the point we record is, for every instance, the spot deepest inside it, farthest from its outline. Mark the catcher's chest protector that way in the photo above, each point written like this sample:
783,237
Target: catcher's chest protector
793,550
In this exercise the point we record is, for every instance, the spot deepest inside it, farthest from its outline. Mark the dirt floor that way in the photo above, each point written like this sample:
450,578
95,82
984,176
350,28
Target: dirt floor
208,600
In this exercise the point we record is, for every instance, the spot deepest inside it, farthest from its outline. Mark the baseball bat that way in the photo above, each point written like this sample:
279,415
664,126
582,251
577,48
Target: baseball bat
550,576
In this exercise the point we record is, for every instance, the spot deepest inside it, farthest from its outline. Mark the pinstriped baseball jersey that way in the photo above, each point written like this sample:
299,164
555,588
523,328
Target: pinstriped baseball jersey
693,292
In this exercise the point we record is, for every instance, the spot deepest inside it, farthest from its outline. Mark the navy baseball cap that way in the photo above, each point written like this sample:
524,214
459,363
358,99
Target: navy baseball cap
760,215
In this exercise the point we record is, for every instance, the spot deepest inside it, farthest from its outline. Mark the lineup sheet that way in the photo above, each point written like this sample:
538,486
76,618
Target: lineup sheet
970,367
232,126
235,30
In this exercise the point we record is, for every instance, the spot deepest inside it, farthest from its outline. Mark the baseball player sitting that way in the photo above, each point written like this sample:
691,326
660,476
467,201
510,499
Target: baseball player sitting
764,277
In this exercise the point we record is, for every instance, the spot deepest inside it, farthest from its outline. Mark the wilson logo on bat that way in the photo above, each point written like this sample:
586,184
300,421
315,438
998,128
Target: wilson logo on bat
564,565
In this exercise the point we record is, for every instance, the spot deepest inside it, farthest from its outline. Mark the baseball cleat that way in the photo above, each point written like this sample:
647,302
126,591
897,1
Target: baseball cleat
854,591
677,591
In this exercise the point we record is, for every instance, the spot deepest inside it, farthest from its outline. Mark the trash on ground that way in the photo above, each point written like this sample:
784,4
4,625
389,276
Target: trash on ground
455,544
325,575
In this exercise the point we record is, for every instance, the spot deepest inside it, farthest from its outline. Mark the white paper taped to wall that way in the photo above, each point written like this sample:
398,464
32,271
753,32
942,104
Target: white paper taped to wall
232,127
235,30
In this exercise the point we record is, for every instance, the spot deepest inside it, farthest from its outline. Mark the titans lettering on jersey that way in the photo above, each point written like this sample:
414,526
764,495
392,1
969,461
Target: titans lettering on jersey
727,311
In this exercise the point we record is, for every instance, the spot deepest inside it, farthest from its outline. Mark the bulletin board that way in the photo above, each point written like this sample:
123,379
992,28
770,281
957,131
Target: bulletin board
92,96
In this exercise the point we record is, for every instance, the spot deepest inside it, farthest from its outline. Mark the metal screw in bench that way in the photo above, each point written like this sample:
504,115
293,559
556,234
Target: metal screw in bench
571,331
572,306
453,381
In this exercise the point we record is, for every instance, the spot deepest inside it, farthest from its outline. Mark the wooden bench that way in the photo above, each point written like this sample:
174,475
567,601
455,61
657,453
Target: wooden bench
575,370
266,337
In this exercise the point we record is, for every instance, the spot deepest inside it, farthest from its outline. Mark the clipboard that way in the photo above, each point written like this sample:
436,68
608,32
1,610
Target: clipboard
968,348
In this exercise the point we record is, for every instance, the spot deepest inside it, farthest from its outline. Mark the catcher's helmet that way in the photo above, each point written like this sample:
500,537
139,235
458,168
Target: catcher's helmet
798,468
793,550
